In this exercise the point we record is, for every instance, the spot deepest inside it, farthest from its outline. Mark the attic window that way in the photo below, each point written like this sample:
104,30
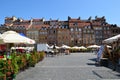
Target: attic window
75,24
89,27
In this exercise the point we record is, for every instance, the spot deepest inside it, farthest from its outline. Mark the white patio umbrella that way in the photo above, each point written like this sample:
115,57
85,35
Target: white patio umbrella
82,47
11,37
18,48
65,47
109,46
14,37
30,41
53,46
47,45
57,47
75,47
112,39
93,46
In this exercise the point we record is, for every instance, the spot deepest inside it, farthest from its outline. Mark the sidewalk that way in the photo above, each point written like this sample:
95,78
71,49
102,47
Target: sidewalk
110,65
77,66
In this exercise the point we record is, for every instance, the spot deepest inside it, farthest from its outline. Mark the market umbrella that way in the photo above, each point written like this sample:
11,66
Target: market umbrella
14,37
109,46
18,48
51,47
93,46
29,41
11,37
22,34
112,39
82,47
75,47
65,47
57,47
47,45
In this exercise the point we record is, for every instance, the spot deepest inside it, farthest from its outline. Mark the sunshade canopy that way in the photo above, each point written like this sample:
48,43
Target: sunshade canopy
93,46
112,39
14,37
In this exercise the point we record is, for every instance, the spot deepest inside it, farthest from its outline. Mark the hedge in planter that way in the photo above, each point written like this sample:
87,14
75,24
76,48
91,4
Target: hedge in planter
42,55
10,74
32,60
14,63
2,69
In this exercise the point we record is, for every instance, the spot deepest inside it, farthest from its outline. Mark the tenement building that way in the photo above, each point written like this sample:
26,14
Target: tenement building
72,32
101,29
81,32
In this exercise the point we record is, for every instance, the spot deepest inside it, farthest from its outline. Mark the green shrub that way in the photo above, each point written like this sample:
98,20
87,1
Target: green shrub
42,54
14,63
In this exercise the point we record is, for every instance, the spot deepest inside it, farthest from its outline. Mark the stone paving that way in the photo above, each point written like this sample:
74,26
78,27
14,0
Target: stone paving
77,66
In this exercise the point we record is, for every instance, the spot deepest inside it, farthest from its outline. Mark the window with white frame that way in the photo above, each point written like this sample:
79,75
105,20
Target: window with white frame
79,29
71,29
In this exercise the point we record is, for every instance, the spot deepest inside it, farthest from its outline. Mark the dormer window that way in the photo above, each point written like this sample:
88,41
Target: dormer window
75,24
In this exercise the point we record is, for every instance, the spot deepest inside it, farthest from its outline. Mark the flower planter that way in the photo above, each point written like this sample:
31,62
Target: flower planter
8,74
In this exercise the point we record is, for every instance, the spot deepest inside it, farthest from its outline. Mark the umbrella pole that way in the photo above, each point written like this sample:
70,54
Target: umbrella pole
8,46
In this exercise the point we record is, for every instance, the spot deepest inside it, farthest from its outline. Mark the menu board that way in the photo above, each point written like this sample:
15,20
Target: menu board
100,52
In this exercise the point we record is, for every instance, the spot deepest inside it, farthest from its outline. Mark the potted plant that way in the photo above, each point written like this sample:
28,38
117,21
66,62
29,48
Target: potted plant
2,69
32,60
14,64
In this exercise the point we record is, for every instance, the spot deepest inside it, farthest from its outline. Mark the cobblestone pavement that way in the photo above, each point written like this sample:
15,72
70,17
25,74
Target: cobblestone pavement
77,66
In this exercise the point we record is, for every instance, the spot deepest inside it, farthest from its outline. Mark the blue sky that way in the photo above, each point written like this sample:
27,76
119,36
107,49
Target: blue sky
61,9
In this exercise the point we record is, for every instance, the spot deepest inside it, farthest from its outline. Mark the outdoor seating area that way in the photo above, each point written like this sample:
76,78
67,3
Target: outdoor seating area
66,50
15,63
110,56
14,57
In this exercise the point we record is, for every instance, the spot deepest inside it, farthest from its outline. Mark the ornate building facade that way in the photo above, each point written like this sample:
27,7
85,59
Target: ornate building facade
73,31
81,32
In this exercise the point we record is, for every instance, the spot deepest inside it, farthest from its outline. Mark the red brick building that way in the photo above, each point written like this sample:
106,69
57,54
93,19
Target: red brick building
81,32
73,31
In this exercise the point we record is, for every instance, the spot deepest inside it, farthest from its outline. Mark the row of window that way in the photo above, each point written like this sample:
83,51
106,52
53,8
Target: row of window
75,29
106,28
88,36
18,27
43,33
37,23
86,41
43,38
43,28
64,37
98,28
98,36
87,27
88,31
32,32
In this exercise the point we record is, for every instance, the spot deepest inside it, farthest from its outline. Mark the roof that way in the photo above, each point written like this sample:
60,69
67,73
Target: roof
37,20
